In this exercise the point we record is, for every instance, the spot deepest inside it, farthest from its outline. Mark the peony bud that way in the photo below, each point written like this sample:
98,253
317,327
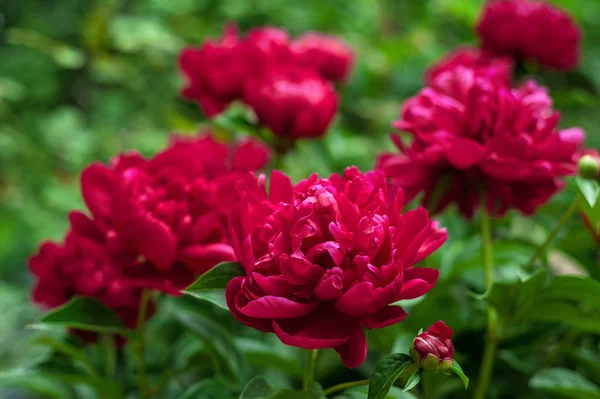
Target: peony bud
589,166
433,350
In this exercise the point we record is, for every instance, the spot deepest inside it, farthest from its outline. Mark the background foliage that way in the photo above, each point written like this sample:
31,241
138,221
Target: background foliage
82,80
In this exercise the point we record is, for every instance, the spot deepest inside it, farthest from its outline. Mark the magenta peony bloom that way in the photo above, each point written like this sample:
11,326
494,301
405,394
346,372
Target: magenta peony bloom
530,29
170,210
266,48
330,56
293,103
487,64
472,134
84,265
433,350
326,258
215,72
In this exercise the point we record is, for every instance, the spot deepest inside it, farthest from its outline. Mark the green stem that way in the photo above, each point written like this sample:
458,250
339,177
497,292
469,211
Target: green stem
563,220
309,367
141,344
108,341
491,339
344,386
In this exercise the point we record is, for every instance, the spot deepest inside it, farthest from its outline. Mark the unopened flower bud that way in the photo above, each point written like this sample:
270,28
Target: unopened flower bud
433,350
589,167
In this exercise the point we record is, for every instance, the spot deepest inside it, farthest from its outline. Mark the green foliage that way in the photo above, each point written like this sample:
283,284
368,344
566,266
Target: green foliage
386,373
82,81
85,314
564,384
211,285
571,300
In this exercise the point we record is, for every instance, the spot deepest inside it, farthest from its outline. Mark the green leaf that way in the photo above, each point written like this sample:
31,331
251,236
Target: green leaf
572,300
207,389
38,383
590,189
214,336
386,372
78,356
211,285
413,381
460,373
271,355
105,387
258,388
361,393
564,383
315,390
86,314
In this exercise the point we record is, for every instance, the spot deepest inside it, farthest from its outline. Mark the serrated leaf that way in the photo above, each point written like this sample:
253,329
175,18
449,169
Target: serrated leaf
86,314
456,369
564,383
413,381
211,285
385,374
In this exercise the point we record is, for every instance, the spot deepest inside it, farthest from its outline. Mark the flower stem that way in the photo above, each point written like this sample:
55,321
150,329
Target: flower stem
344,386
141,344
491,339
108,341
309,367
563,220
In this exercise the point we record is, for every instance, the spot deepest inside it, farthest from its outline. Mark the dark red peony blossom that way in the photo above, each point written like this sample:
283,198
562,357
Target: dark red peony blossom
330,56
294,103
170,210
530,29
84,265
494,67
215,72
433,350
473,134
326,258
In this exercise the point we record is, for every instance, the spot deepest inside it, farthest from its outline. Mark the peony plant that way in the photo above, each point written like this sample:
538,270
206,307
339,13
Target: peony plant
246,275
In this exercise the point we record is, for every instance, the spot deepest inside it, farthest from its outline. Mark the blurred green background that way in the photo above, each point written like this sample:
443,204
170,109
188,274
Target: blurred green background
83,80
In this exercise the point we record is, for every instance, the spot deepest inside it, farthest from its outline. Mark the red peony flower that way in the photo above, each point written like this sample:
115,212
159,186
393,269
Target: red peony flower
84,265
326,258
471,133
433,350
494,67
266,48
328,55
215,72
530,29
293,103
170,210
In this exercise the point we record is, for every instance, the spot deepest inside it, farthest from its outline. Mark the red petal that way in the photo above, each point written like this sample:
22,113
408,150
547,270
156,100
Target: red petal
354,351
385,317
153,239
201,258
232,292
